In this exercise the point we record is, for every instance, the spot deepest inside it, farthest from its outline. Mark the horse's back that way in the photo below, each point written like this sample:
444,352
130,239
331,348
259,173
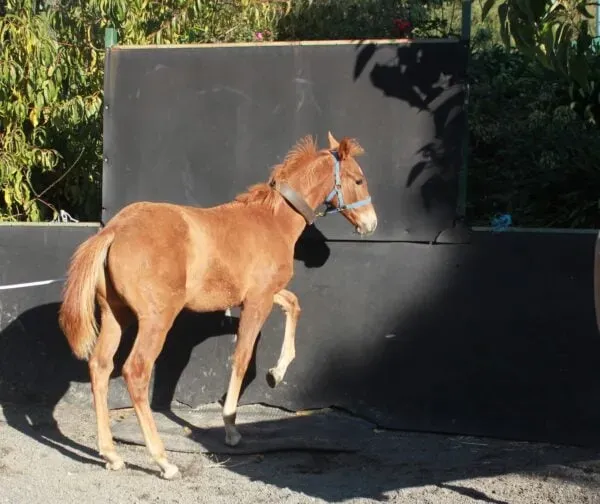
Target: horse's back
226,247
205,259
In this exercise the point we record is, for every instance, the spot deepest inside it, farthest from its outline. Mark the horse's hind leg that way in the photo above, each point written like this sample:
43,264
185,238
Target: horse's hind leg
101,365
137,371
289,303
253,315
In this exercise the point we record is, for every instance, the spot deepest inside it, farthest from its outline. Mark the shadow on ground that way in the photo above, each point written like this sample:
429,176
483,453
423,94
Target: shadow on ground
334,456
389,462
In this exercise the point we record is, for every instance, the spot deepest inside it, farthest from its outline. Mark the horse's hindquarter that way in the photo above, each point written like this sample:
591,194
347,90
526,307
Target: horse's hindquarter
146,262
234,253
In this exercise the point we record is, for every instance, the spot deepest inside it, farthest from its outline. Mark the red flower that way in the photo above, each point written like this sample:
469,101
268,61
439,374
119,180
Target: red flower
403,26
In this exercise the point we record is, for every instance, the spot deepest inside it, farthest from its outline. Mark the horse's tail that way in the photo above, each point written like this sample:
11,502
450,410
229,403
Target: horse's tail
77,316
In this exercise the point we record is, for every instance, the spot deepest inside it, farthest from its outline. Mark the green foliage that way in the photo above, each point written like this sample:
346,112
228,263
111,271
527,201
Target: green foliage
51,80
558,35
49,107
356,19
530,154
529,151
339,19
29,85
443,18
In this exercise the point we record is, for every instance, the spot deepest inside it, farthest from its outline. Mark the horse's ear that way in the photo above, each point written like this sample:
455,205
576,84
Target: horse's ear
333,143
349,147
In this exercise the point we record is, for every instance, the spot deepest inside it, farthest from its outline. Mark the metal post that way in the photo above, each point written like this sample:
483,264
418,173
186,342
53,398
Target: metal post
110,37
466,19
597,281
598,20
461,209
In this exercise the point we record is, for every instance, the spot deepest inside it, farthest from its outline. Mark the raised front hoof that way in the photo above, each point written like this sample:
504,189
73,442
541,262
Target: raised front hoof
274,377
232,438
170,472
115,464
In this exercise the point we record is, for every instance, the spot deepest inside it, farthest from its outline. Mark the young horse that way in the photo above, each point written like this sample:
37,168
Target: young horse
154,259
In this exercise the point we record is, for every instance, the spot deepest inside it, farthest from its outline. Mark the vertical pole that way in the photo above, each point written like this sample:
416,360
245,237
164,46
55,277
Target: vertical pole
110,37
597,281
466,20
598,22
461,209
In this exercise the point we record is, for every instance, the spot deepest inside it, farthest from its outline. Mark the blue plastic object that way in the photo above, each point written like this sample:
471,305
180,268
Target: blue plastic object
501,222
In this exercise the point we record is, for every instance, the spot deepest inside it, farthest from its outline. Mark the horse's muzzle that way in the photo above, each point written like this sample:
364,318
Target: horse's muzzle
366,227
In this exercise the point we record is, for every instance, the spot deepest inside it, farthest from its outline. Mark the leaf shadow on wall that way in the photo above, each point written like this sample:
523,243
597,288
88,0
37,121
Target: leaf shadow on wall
431,78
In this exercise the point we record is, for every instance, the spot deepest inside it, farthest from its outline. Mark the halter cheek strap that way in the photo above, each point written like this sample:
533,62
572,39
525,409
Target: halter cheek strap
337,191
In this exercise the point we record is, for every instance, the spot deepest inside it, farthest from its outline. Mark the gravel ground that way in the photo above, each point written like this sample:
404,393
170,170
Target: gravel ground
46,462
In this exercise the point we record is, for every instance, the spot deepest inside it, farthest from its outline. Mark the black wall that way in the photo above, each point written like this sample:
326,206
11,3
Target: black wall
197,125
497,337
35,360
494,338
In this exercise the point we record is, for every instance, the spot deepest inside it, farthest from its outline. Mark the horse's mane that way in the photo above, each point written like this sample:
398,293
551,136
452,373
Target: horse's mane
300,157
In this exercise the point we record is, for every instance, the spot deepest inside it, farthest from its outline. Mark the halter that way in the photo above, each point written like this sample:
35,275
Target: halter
298,203
337,190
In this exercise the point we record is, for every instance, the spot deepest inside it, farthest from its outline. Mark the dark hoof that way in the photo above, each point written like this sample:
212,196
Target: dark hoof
272,381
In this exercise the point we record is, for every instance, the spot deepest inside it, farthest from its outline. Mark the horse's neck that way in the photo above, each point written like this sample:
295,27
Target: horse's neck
292,220
321,183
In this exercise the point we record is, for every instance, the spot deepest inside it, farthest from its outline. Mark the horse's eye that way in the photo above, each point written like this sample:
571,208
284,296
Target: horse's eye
359,182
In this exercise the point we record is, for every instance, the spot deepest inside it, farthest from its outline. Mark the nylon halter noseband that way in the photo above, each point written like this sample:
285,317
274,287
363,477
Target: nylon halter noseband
298,203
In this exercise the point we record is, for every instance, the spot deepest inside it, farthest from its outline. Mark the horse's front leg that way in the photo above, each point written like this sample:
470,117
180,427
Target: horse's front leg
255,311
289,303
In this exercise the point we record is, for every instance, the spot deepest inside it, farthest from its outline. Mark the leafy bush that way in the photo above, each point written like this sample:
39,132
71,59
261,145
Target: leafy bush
49,100
340,19
51,81
559,35
356,19
530,154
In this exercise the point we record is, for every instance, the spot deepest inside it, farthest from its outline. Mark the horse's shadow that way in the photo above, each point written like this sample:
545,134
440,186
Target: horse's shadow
38,370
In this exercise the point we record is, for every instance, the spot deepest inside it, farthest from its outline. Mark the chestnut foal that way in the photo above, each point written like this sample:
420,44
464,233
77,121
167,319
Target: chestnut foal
154,259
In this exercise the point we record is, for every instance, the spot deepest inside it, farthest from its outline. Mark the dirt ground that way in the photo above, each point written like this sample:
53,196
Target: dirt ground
46,462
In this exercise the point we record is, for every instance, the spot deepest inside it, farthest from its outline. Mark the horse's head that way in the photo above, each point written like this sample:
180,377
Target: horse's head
350,194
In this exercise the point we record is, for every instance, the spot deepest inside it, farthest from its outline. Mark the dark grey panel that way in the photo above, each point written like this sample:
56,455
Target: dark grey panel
197,125
35,361
597,280
496,338
29,253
